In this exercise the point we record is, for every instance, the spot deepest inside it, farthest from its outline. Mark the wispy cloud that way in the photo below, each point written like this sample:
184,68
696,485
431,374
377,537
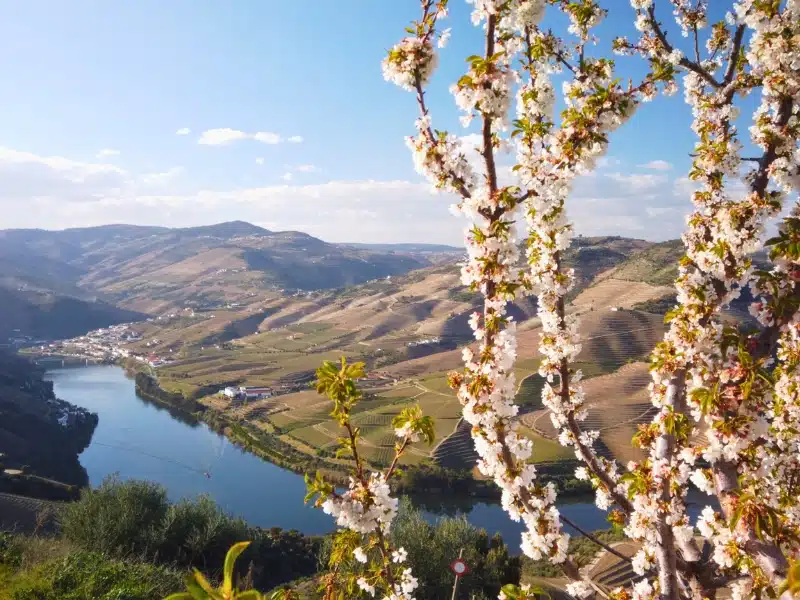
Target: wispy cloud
260,160
57,192
638,182
656,165
305,168
106,152
295,139
267,137
183,131
226,135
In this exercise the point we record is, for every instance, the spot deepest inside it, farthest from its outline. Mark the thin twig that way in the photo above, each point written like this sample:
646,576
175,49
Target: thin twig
593,538
684,62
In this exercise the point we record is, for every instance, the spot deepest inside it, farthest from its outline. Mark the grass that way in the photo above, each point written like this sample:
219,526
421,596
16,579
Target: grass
33,568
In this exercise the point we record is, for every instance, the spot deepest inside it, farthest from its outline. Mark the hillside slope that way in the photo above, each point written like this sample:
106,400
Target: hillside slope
151,269
36,428
409,329
48,316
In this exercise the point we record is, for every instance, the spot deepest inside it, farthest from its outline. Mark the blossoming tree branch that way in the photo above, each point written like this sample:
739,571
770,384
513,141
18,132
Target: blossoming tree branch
728,400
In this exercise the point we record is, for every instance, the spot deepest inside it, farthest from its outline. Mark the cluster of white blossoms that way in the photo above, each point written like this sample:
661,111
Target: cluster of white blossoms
403,590
510,15
440,159
366,509
363,509
700,366
548,163
411,61
407,432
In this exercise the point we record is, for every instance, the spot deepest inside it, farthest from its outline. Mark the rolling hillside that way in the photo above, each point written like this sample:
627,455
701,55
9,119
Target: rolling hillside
152,269
45,315
409,329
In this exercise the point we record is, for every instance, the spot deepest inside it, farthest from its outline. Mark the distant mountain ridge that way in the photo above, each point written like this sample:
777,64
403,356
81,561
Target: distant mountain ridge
150,269
406,247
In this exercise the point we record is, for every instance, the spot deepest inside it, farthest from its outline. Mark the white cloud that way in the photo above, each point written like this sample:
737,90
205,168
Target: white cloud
286,176
267,137
73,169
25,176
226,135
260,160
305,168
107,152
472,142
637,182
219,137
656,165
657,211
183,131
295,139
57,192
608,161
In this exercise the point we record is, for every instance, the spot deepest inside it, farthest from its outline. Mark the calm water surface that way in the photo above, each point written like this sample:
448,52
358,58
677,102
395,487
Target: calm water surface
140,440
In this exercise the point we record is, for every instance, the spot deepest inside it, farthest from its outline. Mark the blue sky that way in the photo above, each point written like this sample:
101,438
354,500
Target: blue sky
95,91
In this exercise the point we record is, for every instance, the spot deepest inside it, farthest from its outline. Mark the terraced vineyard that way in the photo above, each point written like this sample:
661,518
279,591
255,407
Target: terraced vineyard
617,404
410,330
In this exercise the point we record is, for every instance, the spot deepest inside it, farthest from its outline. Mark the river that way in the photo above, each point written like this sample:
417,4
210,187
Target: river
140,440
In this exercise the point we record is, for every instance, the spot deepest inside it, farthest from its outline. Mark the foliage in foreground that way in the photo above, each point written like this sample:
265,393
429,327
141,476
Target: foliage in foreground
134,518
199,588
433,547
28,573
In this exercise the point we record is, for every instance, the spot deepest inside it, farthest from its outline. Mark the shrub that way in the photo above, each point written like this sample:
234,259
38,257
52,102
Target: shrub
433,547
194,531
134,518
120,518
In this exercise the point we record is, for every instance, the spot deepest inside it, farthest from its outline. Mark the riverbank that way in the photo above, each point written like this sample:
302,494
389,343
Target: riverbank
425,479
146,440
41,435
250,439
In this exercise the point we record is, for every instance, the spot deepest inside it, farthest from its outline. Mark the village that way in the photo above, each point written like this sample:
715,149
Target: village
103,345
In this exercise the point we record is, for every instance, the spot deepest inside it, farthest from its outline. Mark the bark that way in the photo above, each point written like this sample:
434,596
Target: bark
666,554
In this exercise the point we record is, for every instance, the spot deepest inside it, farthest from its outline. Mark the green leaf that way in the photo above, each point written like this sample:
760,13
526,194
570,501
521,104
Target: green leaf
511,591
230,560
737,516
195,583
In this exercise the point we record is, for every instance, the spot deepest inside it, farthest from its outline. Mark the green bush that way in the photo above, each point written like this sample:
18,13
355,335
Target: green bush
119,518
94,576
10,551
433,547
194,530
134,518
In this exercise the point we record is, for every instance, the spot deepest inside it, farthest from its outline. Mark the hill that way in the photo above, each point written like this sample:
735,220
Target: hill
38,432
45,315
409,329
152,269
